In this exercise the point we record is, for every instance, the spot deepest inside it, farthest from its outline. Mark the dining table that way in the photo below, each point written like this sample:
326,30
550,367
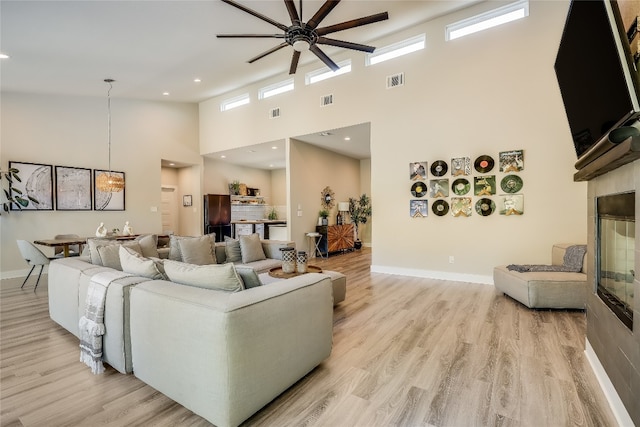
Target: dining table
64,243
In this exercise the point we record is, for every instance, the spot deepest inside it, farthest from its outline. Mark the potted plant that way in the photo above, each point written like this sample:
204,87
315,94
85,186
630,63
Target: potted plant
360,211
324,214
234,188
13,195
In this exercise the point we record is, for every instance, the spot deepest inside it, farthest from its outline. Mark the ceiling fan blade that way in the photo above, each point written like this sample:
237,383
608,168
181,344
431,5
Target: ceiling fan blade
256,14
293,13
294,62
348,45
324,58
263,54
322,13
229,36
353,23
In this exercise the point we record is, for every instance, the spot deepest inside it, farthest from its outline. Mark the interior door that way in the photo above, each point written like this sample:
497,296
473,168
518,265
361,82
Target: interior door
169,210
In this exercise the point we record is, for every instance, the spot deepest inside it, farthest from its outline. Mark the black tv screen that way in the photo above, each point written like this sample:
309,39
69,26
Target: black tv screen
595,75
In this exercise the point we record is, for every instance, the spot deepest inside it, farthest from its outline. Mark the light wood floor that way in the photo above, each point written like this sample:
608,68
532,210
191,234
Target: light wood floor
406,352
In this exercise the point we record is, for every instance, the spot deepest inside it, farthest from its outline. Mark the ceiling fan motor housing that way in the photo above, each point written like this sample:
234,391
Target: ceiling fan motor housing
301,38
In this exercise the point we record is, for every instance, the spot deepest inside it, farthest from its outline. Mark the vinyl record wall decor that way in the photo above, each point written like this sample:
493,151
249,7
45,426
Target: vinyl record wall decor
462,187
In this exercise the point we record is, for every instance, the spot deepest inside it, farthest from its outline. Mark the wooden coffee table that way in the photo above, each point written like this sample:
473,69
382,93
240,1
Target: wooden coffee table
278,273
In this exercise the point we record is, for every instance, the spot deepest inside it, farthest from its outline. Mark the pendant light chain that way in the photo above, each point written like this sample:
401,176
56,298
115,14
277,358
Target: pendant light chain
109,182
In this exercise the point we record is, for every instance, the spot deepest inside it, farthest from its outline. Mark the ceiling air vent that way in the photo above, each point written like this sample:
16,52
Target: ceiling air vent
326,100
395,80
274,113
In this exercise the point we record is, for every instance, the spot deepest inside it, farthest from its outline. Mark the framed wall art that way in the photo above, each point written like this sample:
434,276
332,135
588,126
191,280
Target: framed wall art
418,209
73,189
103,201
417,171
37,182
187,200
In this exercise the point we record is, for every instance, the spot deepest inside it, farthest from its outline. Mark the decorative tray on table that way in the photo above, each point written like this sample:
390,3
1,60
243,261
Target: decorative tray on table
278,273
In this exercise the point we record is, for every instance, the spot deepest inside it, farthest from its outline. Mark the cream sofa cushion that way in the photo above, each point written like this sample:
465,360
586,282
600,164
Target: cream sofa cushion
134,263
221,277
251,248
198,250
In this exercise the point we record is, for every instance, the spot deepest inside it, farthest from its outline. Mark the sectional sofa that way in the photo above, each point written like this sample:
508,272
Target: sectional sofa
221,351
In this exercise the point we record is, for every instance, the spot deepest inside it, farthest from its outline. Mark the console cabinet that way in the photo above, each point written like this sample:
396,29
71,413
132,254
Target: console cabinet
335,238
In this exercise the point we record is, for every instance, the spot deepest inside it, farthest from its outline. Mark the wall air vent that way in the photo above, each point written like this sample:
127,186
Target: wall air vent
395,80
274,113
326,100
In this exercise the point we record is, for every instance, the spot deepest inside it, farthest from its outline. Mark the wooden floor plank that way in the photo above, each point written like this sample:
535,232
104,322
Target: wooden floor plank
406,352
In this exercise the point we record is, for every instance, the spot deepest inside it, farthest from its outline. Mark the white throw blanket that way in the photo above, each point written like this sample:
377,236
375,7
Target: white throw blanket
92,323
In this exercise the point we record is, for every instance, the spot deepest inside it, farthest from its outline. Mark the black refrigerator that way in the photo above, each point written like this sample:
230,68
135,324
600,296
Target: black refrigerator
217,215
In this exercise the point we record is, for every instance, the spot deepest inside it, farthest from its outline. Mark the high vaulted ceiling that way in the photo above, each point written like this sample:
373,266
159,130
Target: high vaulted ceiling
151,47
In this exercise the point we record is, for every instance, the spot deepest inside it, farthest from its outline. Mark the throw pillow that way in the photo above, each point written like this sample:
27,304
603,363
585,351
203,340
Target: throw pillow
110,254
134,263
149,245
175,254
221,277
232,249
251,248
249,276
197,250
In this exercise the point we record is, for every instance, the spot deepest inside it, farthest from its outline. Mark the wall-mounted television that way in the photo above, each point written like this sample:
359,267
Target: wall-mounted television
599,83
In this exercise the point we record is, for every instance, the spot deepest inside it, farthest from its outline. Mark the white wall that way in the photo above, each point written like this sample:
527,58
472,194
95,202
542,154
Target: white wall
490,92
71,131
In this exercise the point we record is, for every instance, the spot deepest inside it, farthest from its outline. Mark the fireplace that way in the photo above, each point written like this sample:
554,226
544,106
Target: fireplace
615,253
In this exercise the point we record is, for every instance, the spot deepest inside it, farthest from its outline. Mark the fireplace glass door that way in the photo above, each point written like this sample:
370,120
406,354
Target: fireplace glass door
616,253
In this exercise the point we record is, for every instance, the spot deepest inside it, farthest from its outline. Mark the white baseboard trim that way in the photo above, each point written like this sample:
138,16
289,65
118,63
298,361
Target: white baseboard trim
617,407
429,274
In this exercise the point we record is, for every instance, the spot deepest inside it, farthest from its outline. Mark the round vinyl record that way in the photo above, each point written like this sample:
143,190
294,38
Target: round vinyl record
439,168
419,189
485,207
484,164
460,186
440,207
511,184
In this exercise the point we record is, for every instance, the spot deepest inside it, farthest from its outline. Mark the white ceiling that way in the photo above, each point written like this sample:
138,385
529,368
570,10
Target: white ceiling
151,47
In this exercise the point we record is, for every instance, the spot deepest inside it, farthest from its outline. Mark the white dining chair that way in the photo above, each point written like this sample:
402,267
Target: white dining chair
34,257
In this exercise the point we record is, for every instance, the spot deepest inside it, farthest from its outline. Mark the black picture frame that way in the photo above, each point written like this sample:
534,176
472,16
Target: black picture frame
73,189
103,201
37,182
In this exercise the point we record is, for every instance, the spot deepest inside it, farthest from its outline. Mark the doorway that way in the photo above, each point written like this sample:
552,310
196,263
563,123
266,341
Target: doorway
169,210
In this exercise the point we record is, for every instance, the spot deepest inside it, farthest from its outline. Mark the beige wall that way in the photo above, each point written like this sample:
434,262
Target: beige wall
482,94
311,169
218,175
71,131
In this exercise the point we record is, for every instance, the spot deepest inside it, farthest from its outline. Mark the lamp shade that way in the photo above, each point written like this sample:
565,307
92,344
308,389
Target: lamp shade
343,206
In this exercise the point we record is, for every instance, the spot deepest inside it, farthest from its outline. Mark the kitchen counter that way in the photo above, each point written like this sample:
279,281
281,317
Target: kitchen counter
260,226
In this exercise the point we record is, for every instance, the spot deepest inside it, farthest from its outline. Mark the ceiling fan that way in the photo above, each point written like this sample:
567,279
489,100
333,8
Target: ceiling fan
307,36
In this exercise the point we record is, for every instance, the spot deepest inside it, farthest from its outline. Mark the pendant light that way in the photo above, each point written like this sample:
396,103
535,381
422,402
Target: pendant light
109,182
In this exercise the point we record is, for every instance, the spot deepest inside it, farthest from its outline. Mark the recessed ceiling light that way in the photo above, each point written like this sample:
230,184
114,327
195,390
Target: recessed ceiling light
223,157
274,148
325,133
4,56
347,138
270,166
197,80
172,164
165,93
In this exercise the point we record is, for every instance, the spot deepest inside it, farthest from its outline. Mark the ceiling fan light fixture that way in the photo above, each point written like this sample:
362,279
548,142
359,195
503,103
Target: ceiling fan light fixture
301,45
